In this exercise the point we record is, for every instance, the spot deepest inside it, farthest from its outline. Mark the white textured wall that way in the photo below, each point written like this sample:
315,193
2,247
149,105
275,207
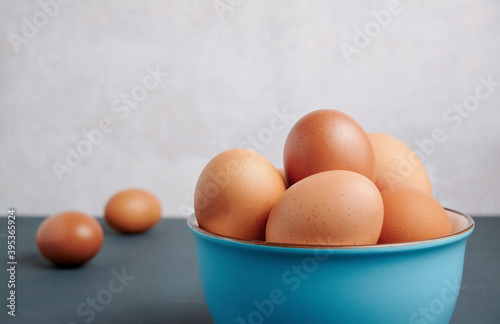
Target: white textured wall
231,69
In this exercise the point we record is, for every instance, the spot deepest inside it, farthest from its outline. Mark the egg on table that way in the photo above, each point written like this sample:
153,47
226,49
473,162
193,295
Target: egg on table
69,238
132,211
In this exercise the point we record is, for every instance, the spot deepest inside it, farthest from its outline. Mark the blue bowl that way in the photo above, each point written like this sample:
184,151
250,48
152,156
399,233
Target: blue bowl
253,282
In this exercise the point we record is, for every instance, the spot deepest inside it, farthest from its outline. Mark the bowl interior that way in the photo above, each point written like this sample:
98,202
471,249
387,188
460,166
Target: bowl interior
461,224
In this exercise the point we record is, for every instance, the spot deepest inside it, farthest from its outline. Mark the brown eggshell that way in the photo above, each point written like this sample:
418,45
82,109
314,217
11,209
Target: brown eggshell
133,211
412,215
328,208
397,165
70,238
283,176
235,193
325,140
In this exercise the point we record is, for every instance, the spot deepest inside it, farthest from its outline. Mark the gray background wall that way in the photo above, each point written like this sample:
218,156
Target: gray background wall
225,70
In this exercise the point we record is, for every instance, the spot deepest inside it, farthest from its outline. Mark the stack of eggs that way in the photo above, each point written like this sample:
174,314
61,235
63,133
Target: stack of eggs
339,186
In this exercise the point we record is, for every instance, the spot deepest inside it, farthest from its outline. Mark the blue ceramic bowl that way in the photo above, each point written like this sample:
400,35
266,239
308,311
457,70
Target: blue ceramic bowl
251,282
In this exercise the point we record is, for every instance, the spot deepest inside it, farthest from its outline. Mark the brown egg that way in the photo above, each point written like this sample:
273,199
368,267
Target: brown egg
133,211
412,215
397,165
235,193
328,208
325,140
70,238
283,176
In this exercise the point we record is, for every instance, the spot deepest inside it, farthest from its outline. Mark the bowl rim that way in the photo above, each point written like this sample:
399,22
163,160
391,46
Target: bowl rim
193,225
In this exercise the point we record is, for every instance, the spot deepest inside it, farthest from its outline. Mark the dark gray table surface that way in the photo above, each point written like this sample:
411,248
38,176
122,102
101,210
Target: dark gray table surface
153,278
